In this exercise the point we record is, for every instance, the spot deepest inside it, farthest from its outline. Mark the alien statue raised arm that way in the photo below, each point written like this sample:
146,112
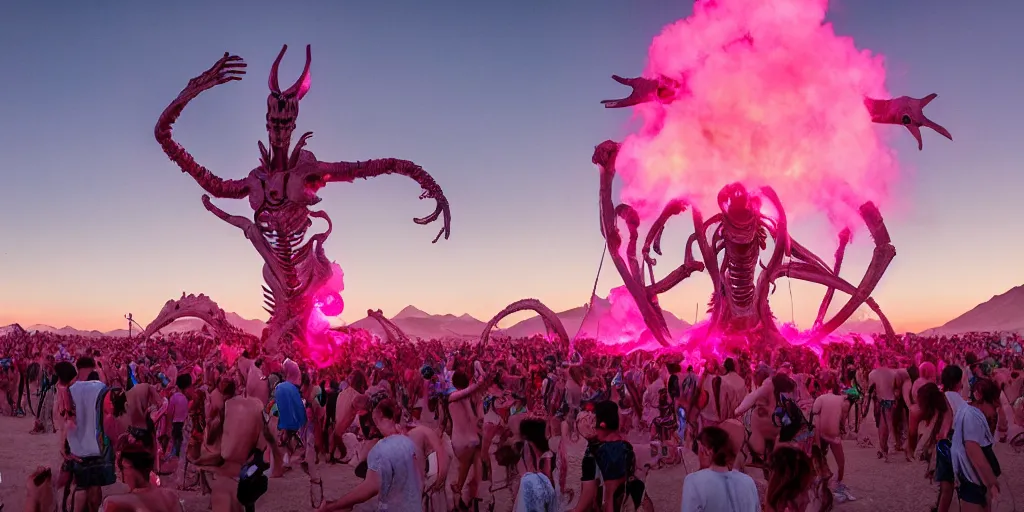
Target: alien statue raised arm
281,191
739,306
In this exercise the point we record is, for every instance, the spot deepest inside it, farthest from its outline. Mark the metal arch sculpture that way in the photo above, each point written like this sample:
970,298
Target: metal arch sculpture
194,306
394,333
281,192
739,304
551,321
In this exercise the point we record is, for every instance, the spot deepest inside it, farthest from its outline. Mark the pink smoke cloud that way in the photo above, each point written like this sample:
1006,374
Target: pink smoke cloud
772,97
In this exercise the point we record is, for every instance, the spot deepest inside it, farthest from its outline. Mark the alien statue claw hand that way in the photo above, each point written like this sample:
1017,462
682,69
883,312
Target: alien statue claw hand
605,154
227,69
442,209
431,190
906,111
645,90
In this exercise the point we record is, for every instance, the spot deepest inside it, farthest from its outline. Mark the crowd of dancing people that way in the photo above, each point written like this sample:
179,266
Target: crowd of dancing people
191,412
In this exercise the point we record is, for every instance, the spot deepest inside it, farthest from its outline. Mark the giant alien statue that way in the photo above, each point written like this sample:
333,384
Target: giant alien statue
739,308
281,191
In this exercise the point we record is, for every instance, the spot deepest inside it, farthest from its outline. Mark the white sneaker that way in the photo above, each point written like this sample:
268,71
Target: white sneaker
842,493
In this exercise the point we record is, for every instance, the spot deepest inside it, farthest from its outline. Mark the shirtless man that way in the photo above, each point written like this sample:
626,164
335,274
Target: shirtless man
142,400
466,412
243,431
215,420
345,413
256,383
136,466
762,403
881,384
828,415
732,391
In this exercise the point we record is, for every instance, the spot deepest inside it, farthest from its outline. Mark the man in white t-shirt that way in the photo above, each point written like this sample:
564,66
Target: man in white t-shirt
717,487
974,462
83,438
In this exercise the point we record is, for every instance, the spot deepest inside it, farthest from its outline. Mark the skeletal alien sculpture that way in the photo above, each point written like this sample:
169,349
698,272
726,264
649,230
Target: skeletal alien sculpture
394,333
195,306
552,323
739,307
281,191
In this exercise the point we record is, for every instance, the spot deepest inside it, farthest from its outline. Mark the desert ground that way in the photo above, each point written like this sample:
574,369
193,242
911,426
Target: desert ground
898,485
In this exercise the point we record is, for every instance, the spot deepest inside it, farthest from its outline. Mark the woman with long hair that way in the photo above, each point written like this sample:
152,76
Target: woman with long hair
536,488
789,486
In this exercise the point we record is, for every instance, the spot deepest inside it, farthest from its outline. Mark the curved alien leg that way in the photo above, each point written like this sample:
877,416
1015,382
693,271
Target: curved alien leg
393,332
810,273
604,156
551,321
844,240
883,254
657,229
764,280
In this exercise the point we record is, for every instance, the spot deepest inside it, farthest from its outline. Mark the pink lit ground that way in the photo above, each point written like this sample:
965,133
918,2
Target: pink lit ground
878,486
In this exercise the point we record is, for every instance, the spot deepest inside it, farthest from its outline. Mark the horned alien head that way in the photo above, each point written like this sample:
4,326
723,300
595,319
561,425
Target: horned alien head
283,107
737,203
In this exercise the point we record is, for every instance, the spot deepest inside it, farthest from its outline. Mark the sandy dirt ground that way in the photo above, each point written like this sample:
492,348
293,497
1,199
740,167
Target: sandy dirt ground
898,485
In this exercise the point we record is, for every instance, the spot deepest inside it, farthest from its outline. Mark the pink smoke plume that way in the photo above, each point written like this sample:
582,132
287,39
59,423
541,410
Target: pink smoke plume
620,325
322,344
771,96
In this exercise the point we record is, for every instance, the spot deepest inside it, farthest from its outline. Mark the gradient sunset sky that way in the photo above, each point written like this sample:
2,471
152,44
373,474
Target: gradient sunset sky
499,101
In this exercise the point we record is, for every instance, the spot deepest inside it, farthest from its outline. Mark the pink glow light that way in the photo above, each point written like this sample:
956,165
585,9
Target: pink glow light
321,342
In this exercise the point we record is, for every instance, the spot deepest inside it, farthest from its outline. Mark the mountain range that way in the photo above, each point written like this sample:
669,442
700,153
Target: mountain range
1004,312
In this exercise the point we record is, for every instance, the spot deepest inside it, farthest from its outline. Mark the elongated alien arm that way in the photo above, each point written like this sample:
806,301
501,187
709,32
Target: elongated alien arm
237,221
904,110
349,171
227,69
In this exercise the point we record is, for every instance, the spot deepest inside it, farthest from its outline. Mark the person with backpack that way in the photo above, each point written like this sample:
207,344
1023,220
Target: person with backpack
608,472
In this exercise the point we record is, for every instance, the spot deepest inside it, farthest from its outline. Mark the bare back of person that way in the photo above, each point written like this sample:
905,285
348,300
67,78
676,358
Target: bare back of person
150,499
828,412
243,426
139,399
883,380
732,393
465,433
256,385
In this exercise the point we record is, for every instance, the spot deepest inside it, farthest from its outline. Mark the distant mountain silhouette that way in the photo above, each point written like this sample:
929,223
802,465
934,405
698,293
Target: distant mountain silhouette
416,323
1000,313
862,322
11,329
577,320
254,327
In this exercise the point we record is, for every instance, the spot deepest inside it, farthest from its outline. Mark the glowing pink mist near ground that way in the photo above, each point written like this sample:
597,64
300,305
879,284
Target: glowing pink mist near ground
774,97
321,341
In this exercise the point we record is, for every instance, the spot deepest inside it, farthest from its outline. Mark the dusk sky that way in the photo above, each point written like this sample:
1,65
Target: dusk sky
499,101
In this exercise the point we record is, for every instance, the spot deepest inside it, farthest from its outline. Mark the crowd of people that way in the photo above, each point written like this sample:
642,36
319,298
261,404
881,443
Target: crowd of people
191,412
